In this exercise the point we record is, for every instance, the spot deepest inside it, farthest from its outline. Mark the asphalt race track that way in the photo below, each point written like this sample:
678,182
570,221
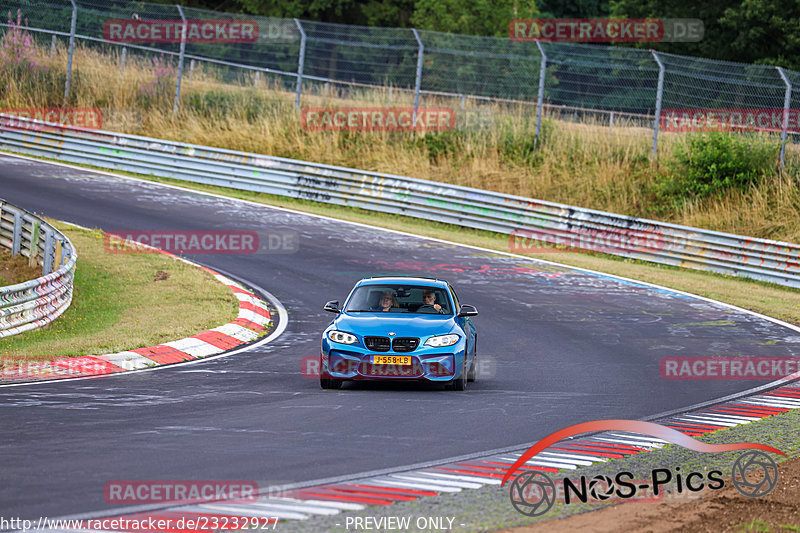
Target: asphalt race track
564,347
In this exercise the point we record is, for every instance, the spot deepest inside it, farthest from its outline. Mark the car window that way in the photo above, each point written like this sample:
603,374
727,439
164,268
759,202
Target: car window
399,299
455,299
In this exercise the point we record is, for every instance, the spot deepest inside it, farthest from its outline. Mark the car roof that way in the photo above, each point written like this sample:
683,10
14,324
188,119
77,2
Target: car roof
382,280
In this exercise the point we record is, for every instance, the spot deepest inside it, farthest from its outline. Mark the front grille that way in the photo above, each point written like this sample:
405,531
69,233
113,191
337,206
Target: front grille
405,344
391,371
377,344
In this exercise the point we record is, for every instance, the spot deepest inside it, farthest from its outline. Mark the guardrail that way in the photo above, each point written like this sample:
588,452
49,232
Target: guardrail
519,217
38,302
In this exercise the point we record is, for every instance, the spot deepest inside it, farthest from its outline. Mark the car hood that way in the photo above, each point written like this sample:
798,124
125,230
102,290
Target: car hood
403,325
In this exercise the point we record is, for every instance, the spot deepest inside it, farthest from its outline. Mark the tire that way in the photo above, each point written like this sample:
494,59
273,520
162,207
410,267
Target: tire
473,368
330,383
460,383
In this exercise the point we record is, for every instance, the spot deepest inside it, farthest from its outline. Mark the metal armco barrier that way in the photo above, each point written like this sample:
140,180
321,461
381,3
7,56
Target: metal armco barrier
525,220
38,302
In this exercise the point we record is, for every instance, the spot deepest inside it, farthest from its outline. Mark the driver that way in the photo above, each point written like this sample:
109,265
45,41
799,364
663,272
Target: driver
429,302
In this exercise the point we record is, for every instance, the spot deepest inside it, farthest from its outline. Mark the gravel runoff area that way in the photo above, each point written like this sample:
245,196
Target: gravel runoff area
490,508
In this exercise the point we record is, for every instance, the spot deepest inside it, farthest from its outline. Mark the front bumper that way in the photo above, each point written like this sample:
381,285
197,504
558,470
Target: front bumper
431,364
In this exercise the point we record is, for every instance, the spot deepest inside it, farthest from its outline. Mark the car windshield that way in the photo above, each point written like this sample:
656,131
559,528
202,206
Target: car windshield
399,299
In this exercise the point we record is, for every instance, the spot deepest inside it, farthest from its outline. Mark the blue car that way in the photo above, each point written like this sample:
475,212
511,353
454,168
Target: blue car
400,328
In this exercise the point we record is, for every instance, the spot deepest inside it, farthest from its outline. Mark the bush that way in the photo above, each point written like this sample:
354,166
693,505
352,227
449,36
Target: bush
439,144
712,163
244,103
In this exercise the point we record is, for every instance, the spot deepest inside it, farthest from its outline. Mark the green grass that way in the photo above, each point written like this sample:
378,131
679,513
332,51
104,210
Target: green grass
118,306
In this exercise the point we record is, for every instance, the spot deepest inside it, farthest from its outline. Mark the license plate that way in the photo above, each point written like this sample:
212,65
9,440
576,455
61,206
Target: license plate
391,359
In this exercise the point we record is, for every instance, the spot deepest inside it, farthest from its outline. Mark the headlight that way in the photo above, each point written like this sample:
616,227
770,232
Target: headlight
342,337
442,340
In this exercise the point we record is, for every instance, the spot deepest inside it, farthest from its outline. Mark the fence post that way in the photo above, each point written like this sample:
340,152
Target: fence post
33,251
16,235
659,98
540,97
787,98
418,83
122,59
301,59
389,102
180,62
53,47
49,252
191,69
610,122
71,49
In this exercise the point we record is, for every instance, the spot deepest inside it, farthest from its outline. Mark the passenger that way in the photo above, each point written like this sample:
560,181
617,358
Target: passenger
386,302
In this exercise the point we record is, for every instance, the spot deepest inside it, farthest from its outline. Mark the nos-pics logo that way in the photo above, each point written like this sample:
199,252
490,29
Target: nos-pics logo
534,493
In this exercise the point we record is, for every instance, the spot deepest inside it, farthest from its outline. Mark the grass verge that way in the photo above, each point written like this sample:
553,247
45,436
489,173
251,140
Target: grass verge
118,304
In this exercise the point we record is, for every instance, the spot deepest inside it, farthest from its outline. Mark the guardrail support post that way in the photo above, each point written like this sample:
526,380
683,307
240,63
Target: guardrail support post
540,96
787,99
181,58
33,251
49,252
71,50
301,59
122,58
659,98
191,69
52,47
16,236
418,82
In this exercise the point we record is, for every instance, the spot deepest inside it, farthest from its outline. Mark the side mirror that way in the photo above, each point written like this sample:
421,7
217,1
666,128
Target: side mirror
468,310
332,307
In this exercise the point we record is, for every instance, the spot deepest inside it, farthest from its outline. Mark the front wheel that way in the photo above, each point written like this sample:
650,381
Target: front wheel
326,383
460,383
473,368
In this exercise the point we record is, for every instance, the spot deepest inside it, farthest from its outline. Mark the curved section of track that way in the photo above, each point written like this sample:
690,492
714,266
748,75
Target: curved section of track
567,346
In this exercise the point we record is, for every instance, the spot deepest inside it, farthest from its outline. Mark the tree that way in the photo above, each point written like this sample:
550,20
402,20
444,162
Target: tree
715,43
394,13
765,31
473,17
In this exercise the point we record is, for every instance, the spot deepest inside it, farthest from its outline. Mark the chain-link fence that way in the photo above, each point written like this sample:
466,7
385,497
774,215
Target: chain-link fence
656,90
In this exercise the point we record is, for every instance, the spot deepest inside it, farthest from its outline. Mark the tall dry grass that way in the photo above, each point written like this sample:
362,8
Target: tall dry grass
584,164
